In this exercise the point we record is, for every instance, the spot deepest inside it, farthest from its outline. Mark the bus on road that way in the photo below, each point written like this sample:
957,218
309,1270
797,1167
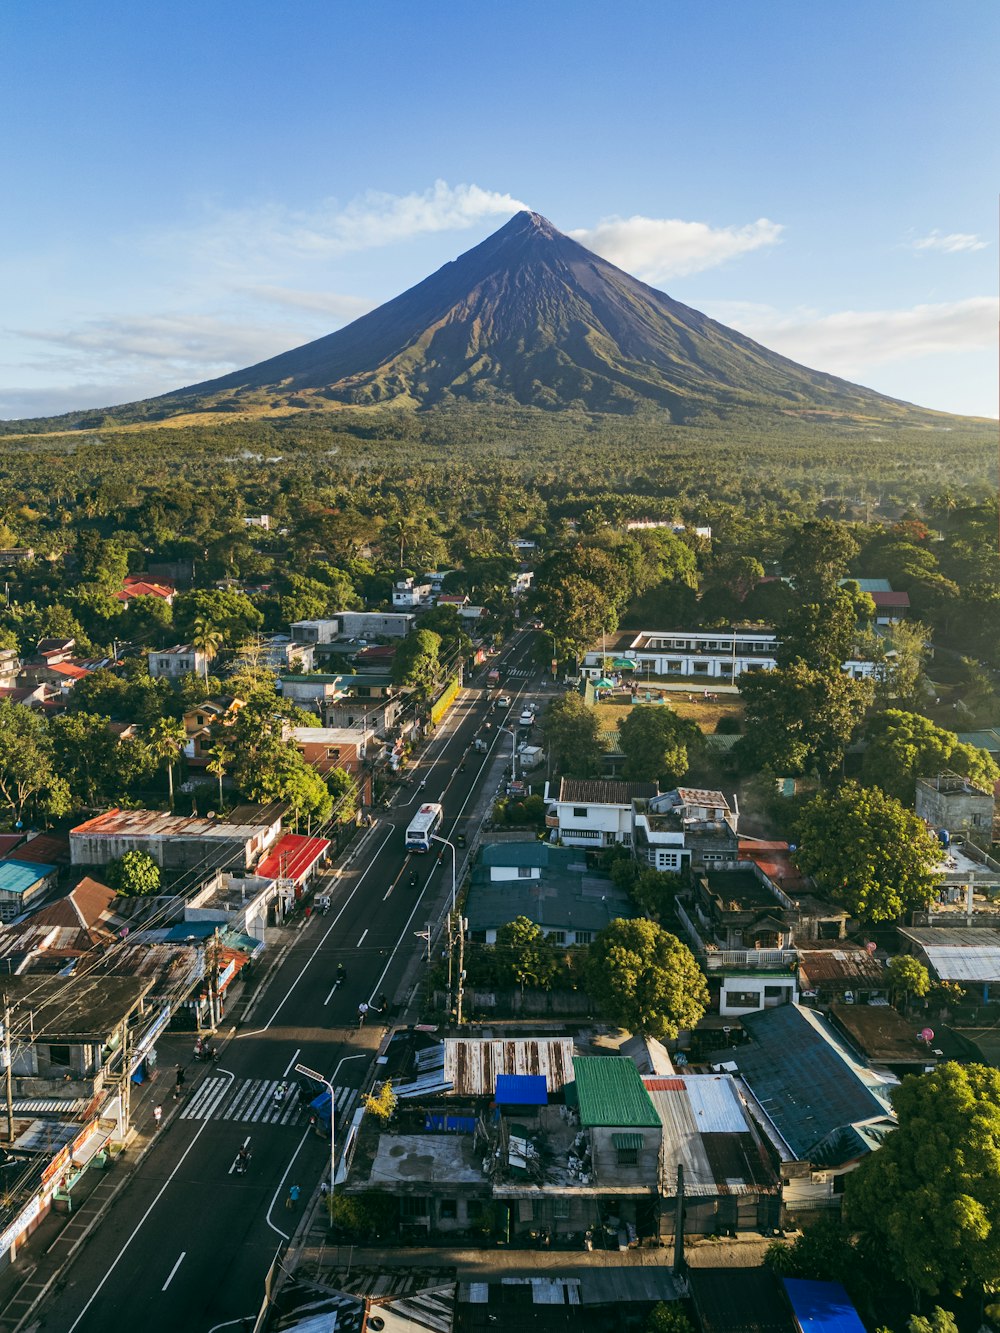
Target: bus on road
424,823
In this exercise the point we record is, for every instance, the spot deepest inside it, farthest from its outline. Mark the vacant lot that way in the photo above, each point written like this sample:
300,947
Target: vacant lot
705,713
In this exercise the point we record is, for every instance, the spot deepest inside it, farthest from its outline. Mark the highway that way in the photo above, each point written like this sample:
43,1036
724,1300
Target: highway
187,1243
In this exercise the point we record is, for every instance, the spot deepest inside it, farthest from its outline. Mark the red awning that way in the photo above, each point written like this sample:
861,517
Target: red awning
292,857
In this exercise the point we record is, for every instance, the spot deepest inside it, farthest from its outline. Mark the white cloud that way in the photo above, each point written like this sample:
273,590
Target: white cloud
849,342
951,243
658,248
267,237
202,340
334,304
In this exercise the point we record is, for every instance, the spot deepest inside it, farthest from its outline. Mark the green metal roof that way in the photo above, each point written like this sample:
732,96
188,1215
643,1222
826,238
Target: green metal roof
626,1141
19,876
869,585
528,854
987,739
611,1093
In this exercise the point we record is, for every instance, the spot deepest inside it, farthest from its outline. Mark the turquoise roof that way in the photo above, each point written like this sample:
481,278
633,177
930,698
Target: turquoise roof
19,876
610,1092
870,585
529,854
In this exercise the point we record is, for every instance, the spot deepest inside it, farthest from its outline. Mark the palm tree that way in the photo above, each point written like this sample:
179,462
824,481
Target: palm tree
222,756
164,740
205,638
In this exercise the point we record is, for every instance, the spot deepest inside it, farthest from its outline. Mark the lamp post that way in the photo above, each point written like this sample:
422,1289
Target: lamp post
454,861
311,1073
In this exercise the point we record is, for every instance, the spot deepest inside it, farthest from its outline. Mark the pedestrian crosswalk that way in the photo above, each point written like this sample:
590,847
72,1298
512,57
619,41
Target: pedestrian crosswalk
520,673
253,1100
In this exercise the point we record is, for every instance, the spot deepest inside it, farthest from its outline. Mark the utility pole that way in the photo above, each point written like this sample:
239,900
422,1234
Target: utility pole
213,982
679,1224
8,1073
450,950
462,926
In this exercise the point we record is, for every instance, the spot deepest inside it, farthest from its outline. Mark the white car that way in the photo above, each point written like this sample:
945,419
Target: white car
504,701
526,719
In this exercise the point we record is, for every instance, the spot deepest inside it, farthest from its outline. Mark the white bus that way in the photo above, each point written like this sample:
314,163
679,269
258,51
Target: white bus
426,821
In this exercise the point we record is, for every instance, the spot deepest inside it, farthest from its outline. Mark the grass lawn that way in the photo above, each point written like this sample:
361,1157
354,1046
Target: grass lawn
705,713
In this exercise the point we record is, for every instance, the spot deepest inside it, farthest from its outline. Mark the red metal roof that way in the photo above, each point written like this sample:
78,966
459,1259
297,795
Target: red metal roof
292,856
69,669
890,598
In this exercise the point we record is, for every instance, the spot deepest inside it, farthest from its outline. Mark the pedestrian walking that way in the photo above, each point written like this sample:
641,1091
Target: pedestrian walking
157,1116
178,1082
308,911
293,1197
362,1013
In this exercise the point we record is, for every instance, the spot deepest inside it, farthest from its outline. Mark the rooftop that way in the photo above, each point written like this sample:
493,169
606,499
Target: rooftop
739,1300
567,899
962,954
740,891
156,824
426,1159
292,856
821,1307
595,791
472,1065
805,1084
881,1034
610,1092
74,1009
826,967
17,876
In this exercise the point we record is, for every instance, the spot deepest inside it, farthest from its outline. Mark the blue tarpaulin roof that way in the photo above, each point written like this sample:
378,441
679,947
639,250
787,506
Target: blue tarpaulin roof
822,1307
521,1090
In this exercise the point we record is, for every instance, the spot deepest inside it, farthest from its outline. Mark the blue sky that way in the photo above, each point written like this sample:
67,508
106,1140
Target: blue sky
191,187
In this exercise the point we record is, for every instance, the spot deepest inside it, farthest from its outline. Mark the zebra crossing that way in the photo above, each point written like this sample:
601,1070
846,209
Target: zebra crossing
520,673
253,1100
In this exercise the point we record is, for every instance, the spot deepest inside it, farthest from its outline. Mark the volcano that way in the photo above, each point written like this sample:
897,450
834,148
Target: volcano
531,317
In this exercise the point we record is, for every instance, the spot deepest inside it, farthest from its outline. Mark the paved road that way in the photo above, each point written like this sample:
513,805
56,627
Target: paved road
187,1244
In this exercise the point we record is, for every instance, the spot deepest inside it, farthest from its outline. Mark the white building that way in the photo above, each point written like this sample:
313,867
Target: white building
706,655
408,594
180,660
594,813
689,826
375,624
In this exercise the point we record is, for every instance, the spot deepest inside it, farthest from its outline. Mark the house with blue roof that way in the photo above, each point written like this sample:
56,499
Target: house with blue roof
23,883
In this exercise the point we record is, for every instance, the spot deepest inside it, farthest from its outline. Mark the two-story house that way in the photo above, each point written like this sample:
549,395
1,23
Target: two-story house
594,813
691,826
203,722
411,595
182,659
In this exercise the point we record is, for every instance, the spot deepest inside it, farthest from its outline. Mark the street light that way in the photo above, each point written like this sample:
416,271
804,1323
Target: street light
311,1073
454,859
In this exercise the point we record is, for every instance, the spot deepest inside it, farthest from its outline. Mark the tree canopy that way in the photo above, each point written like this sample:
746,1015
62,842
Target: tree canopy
572,736
905,746
644,979
867,851
656,744
799,719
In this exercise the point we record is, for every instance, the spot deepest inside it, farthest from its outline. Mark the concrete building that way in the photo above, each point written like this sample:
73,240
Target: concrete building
180,660
687,827
174,841
594,813
375,624
23,883
411,595
949,801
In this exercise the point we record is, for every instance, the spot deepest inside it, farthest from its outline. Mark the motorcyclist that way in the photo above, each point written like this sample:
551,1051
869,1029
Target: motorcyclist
414,879
242,1159
341,972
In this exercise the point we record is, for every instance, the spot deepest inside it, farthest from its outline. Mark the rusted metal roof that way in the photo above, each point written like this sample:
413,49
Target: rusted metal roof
472,1064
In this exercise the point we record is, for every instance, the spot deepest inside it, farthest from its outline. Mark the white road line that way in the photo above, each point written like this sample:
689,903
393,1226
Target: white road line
362,939
138,1226
288,1068
388,891
280,1190
173,1271
332,989
322,941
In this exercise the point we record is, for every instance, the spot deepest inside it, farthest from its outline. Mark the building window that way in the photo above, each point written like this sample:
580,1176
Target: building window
774,992
584,937
743,999
524,872
666,860
585,833
579,812
412,1205
627,839
473,1209
700,668
332,752
556,937
560,1209
449,1210
59,1055
628,1156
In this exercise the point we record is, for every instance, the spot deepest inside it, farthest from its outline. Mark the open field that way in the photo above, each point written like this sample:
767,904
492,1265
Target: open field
705,713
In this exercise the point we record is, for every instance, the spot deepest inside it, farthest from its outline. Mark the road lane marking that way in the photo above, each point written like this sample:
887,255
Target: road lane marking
138,1226
173,1271
332,989
362,939
255,1032
288,1068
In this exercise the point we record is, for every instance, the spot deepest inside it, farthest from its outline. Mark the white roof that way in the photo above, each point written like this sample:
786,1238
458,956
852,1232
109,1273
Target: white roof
960,954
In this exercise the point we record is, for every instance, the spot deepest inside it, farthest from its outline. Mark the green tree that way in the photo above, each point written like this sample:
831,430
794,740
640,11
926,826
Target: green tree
206,639
654,892
221,756
656,744
576,612
908,976
799,720
572,736
928,1201
26,756
868,852
824,1252
905,746
817,558
668,1318
821,634
644,979
231,613
98,767
416,664
938,1321
523,953
134,875
165,741
274,770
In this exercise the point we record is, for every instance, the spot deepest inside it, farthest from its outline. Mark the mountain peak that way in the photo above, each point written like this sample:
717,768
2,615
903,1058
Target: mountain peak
529,316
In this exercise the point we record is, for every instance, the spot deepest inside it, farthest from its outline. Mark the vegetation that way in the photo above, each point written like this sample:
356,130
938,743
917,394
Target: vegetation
572,739
868,852
655,742
381,1103
644,979
134,875
904,746
908,976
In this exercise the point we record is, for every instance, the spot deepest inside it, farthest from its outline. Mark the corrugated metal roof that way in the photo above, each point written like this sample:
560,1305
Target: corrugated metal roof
716,1104
965,964
596,791
610,1092
627,1141
472,1065
19,876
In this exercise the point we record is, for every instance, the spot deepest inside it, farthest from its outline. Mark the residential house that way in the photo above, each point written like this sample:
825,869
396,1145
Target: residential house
51,651
821,1110
352,750
456,599
314,631
203,722
373,717
311,691
182,659
521,581
57,935
176,842
138,585
282,653
952,802
262,521
689,827
410,595
595,813
889,606
551,886
375,624
16,555
841,974
730,1182
10,666
966,955
22,883
884,1039
62,673
44,849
